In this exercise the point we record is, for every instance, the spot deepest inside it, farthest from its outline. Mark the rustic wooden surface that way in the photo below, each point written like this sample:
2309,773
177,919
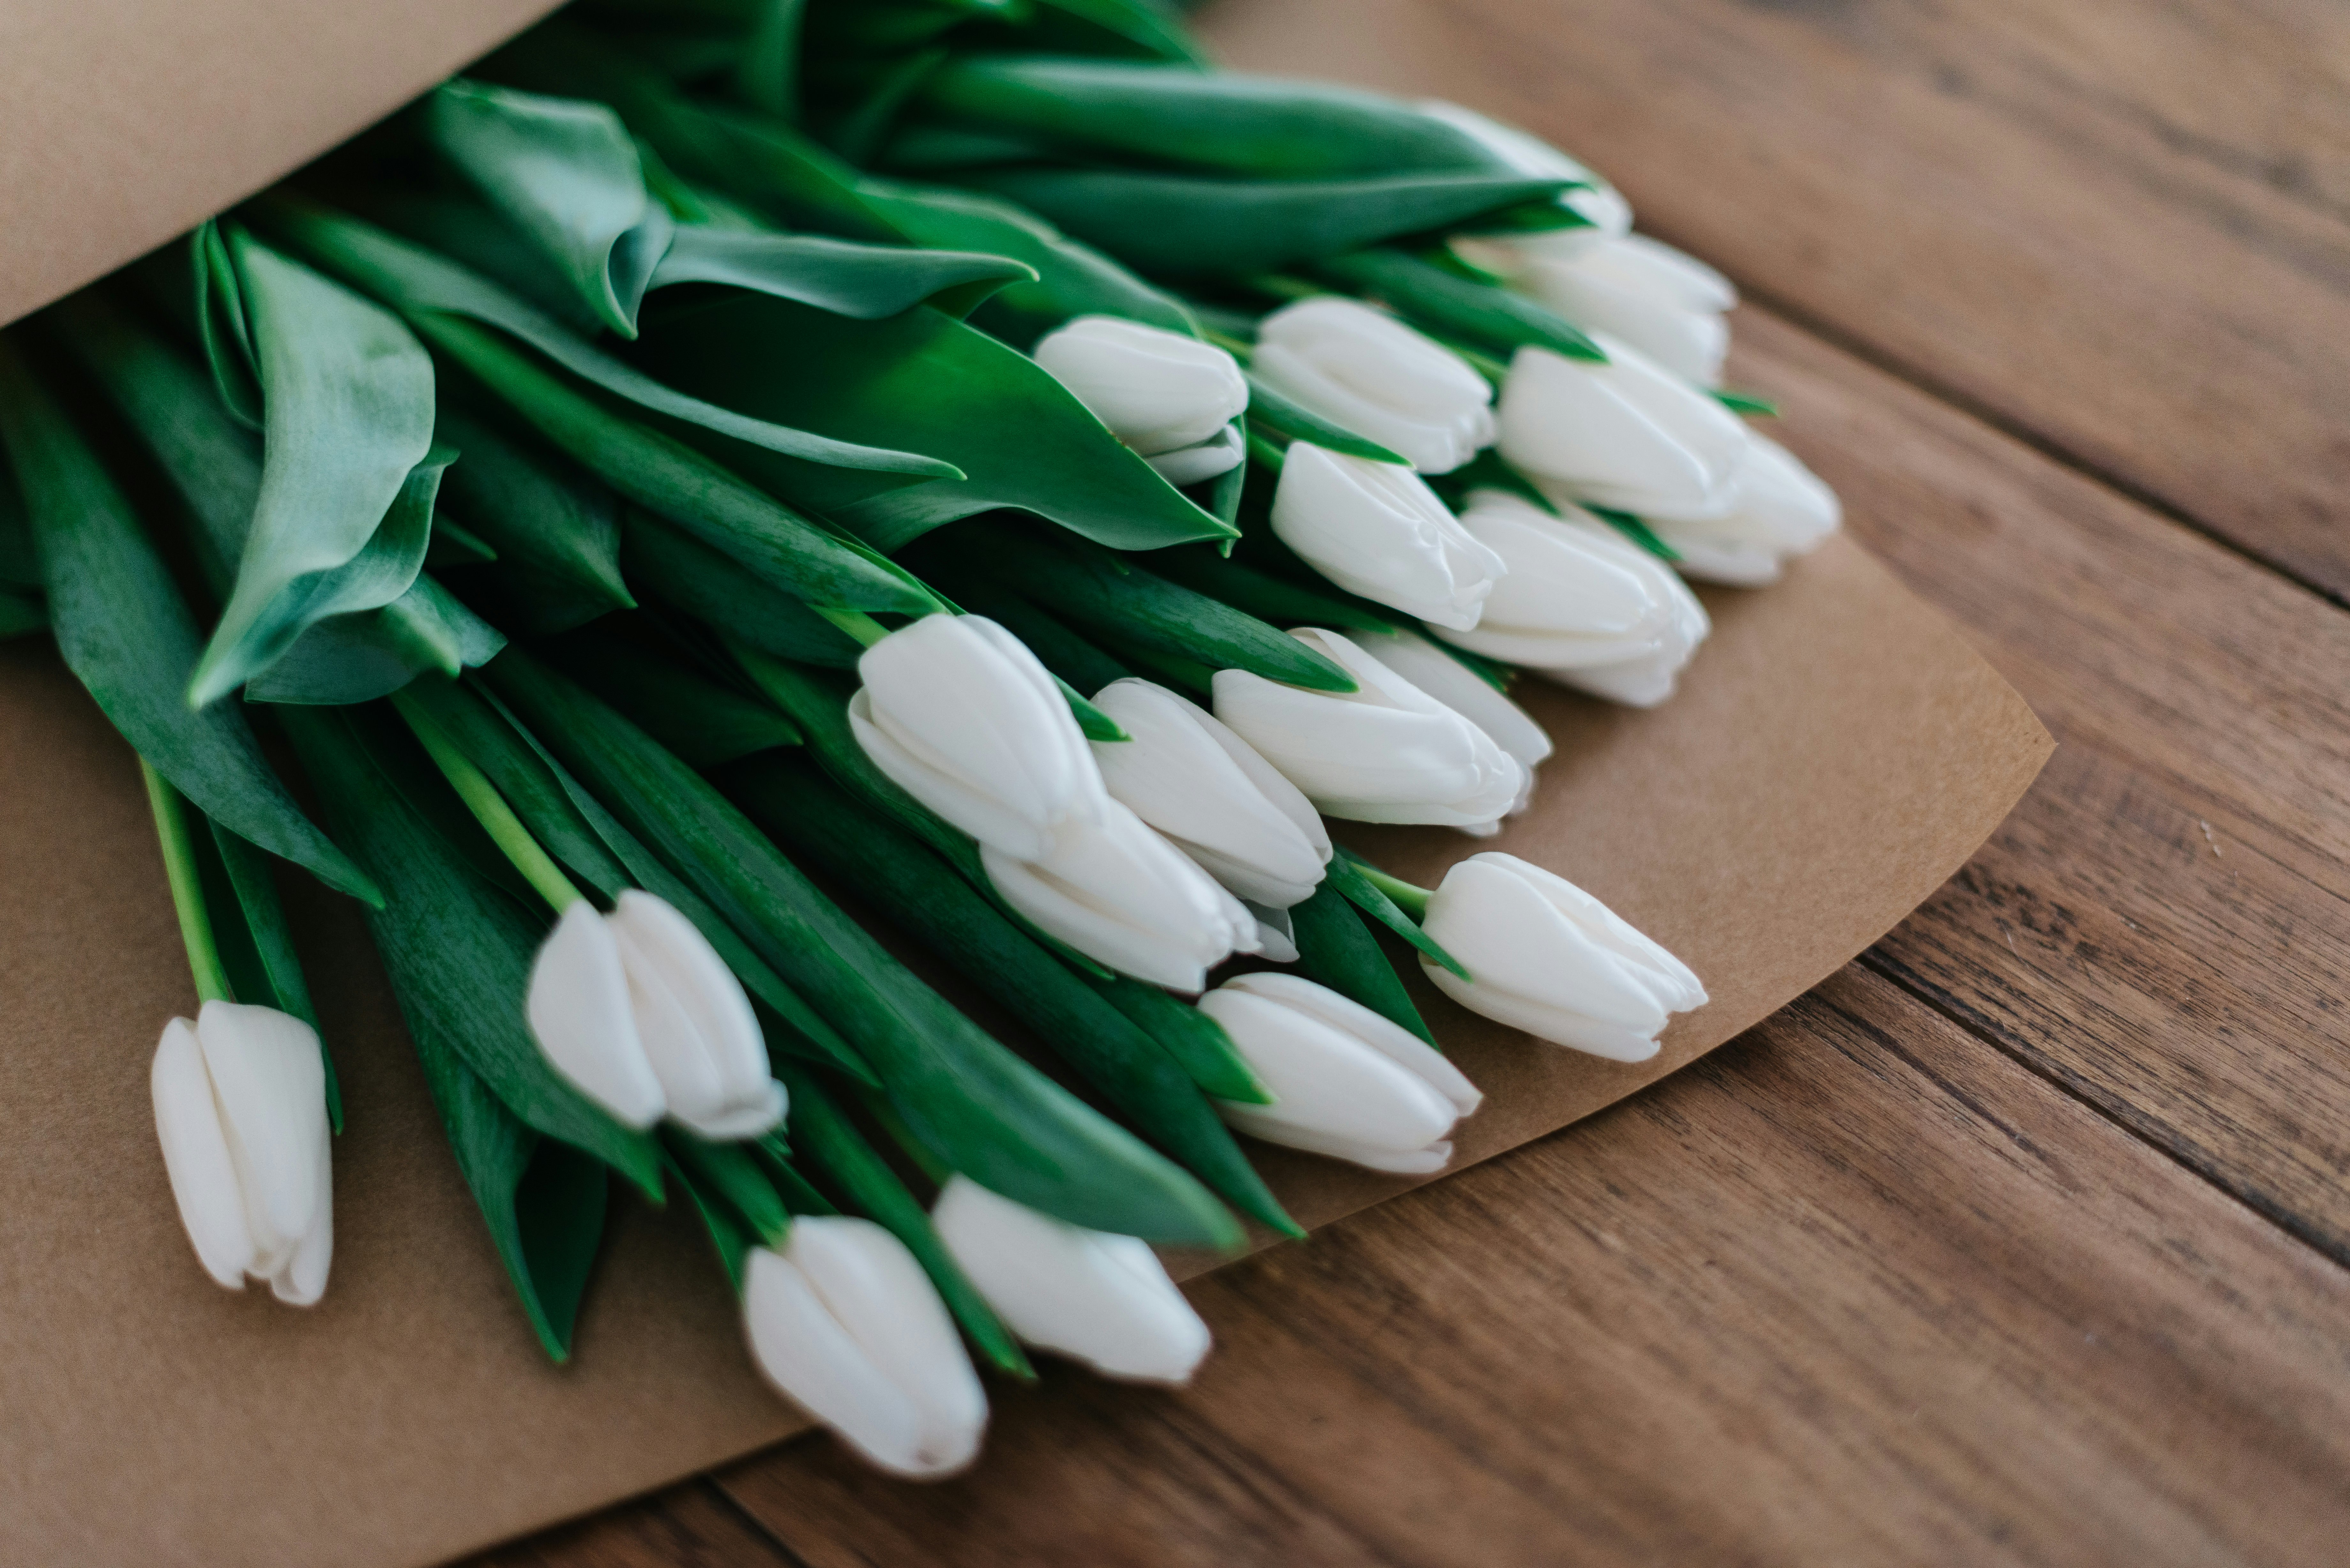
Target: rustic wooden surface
2024,1238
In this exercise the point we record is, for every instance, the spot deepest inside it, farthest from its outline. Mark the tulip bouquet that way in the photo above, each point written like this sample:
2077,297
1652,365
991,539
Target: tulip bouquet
727,478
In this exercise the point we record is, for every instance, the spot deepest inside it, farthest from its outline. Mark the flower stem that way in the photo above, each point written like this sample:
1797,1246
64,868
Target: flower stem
1239,349
187,887
855,623
1409,897
490,808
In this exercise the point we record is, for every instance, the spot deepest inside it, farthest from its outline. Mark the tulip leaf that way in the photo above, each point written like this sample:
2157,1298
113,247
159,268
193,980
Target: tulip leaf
344,509
1346,874
1634,529
706,584
730,1171
1196,1042
1280,414
1746,403
767,70
565,173
831,1143
20,568
1488,469
1133,607
223,325
21,614
1128,25
577,829
1224,494
1233,121
1434,297
994,1115
799,1194
1336,948
705,723
458,947
127,636
924,380
423,285
728,1234
922,895
1074,661
861,281
1187,225
214,465
556,530
662,473
1268,598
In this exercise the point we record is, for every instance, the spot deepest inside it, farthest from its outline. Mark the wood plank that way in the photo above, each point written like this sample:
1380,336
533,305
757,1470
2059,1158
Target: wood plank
1855,1289
2125,228
2162,924
690,1526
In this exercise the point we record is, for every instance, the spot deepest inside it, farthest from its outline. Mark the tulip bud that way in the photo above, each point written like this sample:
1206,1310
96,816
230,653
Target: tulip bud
1276,932
1581,603
1780,510
1186,774
1102,1299
1376,529
960,715
1362,369
240,1111
1386,752
1160,392
640,1015
1120,894
1345,1081
848,1326
1188,465
1605,213
1462,690
1628,434
1669,305
1548,958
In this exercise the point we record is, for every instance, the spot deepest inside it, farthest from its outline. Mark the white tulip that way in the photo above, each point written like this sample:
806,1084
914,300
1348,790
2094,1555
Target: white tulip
1581,604
1781,510
1187,774
1669,305
1345,1081
845,1324
1375,529
1102,1299
1386,752
1160,392
958,714
640,1015
1119,893
1277,933
1628,434
1188,465
1546,957
1364,370
1467,693
240,1111
1605,213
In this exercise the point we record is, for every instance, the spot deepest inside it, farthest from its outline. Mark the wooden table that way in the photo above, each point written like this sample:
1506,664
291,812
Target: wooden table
2021,1239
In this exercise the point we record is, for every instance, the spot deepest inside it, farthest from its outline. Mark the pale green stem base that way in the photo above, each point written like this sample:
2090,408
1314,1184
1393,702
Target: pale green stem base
1409,897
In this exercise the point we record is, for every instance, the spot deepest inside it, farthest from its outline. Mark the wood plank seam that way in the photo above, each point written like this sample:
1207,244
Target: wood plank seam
726,1500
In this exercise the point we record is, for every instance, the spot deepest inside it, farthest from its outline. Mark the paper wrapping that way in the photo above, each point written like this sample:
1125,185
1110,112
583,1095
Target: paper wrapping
1836,753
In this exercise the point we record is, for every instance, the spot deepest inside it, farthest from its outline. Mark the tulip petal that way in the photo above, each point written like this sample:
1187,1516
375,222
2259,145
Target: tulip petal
1326,1083
1389,1039
1157,391
1363,369
196,1159
1628,433
1375,529
811,1359
270,1085
697,1027
579,1013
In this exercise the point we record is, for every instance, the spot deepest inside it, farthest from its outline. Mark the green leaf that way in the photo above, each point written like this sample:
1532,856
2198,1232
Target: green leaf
1488,469
250,936
545,1201
1746,403
1432,296
345,504
423,284
1072,661
1346,874
705,723
1336,950
1196,1042
860,281
728,1235
1265,127
832,1143
125,634
556,531
1634,529
767,71
664,474
19,566
924,380
696,578
224,325
922,895
1138,25
577,829
21,614
454,544
992,1114
1276,411
1182,224
1136,609
733,1173
1268,598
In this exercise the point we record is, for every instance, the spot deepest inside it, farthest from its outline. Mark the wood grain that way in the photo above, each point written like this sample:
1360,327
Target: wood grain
2122,228
1854,1290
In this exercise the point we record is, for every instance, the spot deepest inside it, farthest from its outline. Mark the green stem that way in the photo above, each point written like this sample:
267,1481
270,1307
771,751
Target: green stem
1264,451
1230,345
1409,897
855,623
1283,286
490,808
187,889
